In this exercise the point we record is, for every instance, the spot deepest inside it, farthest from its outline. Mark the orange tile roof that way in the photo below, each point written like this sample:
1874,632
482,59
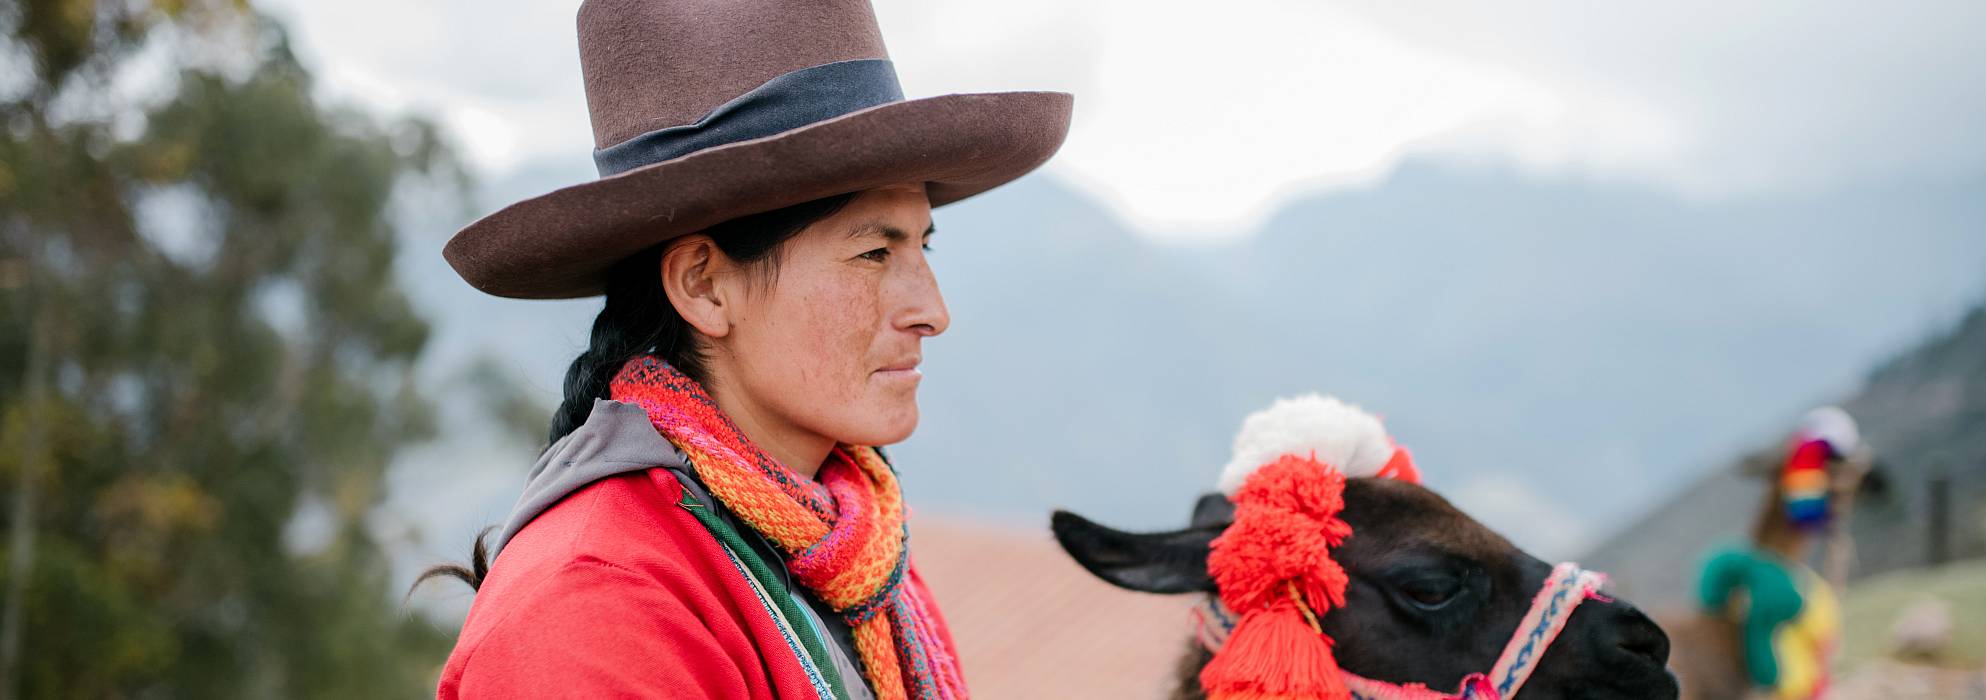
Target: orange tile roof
1030,623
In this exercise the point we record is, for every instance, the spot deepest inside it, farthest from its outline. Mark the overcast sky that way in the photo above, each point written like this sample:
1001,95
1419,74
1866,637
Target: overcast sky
1195,120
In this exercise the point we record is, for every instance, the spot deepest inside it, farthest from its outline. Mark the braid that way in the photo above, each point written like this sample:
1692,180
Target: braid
638,319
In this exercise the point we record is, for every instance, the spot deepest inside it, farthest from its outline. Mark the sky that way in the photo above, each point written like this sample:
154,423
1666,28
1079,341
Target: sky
1194,121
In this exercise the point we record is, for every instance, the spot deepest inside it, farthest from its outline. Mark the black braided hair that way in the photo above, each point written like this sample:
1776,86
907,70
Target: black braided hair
638,319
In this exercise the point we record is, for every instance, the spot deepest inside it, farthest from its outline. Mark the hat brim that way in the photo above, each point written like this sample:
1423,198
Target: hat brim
560,245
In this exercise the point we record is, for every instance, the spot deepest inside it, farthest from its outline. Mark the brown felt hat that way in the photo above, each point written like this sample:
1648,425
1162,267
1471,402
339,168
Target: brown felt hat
708,110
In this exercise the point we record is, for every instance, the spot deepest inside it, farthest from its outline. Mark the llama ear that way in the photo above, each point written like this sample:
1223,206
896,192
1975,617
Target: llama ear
1213,509
1876,482
1159,562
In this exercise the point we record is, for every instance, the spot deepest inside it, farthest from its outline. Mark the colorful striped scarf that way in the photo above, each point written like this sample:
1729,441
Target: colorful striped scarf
844,533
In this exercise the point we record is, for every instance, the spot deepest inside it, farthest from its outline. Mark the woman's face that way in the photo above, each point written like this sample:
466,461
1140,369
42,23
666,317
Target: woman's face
827,342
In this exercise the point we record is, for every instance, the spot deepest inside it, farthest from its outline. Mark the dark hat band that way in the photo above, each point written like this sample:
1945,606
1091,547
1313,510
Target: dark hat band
783,103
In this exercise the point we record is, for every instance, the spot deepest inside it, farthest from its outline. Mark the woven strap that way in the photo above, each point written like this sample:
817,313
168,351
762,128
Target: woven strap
1564,591
1566,587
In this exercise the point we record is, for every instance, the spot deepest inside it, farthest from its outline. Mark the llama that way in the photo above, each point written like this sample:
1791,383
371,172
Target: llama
1427,599
1749,635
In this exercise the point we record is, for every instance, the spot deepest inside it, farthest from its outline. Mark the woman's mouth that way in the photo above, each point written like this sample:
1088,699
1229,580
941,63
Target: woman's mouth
905,371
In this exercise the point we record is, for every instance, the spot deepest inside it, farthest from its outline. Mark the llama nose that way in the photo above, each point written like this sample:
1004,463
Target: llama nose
1639,636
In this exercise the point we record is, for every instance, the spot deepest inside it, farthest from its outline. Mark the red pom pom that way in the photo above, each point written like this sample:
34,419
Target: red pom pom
1285,524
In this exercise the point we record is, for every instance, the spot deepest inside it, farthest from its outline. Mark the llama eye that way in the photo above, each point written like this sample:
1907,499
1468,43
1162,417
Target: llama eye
1431,593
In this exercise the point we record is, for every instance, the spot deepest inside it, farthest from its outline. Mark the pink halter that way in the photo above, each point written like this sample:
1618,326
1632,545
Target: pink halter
1564,590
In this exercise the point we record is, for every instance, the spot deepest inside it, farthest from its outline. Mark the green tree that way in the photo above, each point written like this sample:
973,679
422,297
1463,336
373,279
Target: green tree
200,337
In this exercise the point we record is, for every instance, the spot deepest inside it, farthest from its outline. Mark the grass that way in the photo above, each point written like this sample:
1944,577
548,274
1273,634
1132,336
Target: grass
1872,606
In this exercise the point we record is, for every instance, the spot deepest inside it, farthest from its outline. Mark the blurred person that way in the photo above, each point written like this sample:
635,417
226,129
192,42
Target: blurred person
712,517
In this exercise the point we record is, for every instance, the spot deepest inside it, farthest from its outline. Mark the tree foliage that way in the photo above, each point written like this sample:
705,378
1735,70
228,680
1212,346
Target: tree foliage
205,361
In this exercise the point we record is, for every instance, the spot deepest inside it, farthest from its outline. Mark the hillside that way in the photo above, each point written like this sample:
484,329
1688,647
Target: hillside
1924,413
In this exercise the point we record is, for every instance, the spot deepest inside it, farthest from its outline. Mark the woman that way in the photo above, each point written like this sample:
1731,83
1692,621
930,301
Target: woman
710,520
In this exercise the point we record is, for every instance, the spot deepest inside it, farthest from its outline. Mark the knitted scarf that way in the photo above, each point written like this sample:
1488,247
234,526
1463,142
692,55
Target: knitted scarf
844,532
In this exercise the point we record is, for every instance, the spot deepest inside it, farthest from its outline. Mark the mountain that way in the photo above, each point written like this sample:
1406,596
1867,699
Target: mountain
1560,355
1924,414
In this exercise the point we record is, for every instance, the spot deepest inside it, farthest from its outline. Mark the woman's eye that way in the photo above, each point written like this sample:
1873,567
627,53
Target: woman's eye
877,255
1431,594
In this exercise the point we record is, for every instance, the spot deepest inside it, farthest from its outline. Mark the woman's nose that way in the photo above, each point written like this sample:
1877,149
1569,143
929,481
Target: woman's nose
924,310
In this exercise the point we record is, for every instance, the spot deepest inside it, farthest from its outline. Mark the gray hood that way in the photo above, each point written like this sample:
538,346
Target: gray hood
616,438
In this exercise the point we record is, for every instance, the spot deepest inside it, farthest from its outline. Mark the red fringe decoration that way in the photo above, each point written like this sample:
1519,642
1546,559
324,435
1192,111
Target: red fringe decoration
1274,654
1274,566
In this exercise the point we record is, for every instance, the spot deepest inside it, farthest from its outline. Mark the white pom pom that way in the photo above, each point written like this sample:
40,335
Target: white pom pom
1335,432
1832,424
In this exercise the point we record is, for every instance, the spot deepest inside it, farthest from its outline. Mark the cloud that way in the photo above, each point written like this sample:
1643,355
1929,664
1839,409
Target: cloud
1755,97
503,77
1204,121
1197,120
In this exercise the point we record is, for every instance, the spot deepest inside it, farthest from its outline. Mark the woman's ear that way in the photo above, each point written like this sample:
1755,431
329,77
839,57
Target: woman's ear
689,272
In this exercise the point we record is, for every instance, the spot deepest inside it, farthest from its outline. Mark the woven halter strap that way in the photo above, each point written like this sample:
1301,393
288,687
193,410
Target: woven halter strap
1564,590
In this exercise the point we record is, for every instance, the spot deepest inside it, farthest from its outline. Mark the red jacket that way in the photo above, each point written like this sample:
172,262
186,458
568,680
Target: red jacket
617,590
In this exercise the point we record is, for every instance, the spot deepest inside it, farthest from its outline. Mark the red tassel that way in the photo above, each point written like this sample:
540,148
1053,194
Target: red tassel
1275,654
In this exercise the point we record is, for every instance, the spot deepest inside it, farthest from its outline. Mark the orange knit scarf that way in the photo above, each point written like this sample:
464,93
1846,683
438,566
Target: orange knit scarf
844,534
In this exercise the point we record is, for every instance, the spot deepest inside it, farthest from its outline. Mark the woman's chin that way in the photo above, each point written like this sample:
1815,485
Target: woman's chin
886,424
